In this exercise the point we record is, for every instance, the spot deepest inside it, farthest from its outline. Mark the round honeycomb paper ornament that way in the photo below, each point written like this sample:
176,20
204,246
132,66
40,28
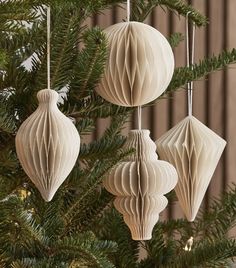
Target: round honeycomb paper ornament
140,64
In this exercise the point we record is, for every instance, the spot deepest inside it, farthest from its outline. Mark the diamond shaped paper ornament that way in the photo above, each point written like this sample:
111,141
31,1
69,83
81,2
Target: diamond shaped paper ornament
194,150
139,185
47,145
139,67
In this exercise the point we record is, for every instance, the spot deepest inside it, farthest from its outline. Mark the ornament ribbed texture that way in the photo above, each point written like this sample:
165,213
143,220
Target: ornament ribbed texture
47,145
139,185
194,150
140,64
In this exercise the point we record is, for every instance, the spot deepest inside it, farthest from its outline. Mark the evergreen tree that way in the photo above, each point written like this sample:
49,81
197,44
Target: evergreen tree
80,228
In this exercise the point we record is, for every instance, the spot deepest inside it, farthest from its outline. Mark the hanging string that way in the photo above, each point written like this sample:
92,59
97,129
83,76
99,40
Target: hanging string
139,117
190,62
48,45
128,10
139,107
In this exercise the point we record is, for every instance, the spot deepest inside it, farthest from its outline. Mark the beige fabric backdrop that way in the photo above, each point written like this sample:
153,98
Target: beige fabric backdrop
214,96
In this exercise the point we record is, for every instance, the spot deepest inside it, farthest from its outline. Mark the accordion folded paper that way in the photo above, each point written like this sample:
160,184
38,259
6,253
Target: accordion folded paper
139,67
139,185
194,150
47,145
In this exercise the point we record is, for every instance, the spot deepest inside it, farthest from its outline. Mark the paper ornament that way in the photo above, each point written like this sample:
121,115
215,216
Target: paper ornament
194,150
139,185
140,64
47,145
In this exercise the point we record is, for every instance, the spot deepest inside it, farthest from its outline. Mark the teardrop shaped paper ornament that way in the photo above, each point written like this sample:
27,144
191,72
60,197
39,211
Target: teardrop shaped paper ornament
194,150
47,145
140,64
139,185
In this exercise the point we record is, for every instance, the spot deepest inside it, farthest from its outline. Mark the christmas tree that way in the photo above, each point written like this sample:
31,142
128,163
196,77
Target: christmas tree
80,227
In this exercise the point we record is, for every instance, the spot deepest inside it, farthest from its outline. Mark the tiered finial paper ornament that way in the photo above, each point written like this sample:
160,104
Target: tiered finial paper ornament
139,185
140,64
47,143
194,150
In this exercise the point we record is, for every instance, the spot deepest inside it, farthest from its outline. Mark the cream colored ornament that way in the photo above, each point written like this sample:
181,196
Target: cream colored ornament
47,145
194,150
139,185
140,64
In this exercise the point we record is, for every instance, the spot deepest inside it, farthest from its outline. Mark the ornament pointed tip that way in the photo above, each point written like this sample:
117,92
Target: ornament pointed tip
48,196
47,199
142,238
141,235
191,216
191,219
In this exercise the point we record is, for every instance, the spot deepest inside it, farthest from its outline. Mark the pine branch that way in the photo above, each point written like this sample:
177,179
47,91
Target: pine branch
183,75
7,122
141,9
160,249
91,7
174,226
23,236
100,149
39,235
52,222
3,58
8,162
94,175
112,227
175,39
90,64
211,246
85,248
207,254
98,155
183,9
21,264
38,263
64,41
33,231
116,126
93,210
14,13
17,92
111,141
20,47
220,218
95,106
85,126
